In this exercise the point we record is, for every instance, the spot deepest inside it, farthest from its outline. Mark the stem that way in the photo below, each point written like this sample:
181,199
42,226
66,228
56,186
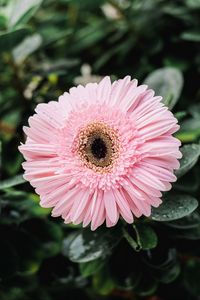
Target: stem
130,240
137,237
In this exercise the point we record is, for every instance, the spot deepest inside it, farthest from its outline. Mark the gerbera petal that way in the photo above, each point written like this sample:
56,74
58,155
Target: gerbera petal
80,202
119,89
98,217
151,180
62,204
132,98
104,90
123,206
110,206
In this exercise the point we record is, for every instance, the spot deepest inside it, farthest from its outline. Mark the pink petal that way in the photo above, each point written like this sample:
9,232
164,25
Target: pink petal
110,206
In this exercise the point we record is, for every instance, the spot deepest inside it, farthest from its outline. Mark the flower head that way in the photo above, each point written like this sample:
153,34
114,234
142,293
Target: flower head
102,151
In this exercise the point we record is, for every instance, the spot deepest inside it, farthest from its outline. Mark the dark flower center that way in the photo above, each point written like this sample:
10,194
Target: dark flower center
99,148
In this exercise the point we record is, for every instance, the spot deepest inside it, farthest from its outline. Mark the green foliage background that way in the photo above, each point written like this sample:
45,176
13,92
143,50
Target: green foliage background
44,49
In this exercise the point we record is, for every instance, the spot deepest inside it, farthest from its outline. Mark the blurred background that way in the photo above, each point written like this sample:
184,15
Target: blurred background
46,47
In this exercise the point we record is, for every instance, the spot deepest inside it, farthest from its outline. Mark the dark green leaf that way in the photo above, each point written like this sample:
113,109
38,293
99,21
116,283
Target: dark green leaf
102,282
147,286
16,180
9,40
195,111
53,35
189,222
188,234
190,157
91,267
147,238
192,276
166,82
180,115
18,206
169,275
174,207
191,124
188,183
165,269
3,22
190,130
87,245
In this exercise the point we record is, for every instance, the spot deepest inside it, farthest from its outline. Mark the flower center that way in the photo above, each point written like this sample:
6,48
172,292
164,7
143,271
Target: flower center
98,149
98,146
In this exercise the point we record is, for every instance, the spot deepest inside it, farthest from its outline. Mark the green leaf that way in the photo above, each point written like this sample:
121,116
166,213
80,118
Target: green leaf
125,272
174,207
188,234
166,268
35,209
190,157
180,115
171,274
190,124
26,47
187,227
193,3
192,276
166,82
9,39
7,183
189,222
147,238
188,136
51,35
195,111
90,35
190,130
189,183
87,245
3,22
146,287
18,206
19,12
103,284
144,237
191,36
91,267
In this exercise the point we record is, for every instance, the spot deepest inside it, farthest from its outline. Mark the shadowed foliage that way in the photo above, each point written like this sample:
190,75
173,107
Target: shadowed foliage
47,47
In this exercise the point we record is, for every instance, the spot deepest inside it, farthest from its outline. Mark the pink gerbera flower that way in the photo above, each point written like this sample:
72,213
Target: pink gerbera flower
102,151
